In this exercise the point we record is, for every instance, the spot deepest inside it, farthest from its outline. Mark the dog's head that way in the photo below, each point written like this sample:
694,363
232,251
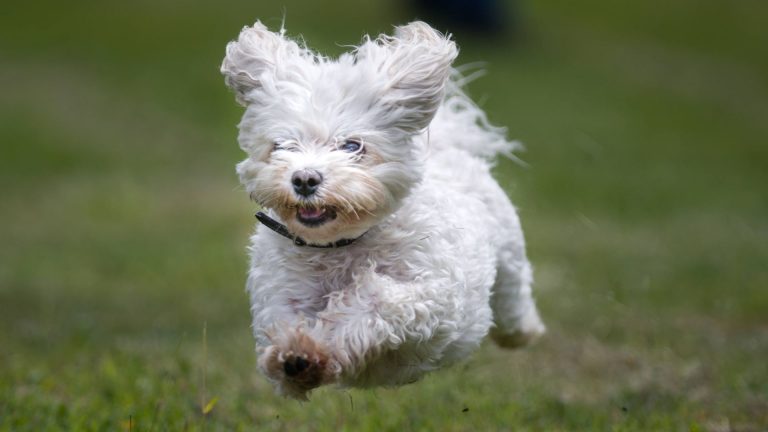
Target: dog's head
330,141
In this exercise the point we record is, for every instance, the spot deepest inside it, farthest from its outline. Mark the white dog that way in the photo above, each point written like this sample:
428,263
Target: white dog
388,250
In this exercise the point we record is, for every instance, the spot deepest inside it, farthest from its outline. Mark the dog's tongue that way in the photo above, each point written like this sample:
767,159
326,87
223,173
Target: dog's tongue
311,213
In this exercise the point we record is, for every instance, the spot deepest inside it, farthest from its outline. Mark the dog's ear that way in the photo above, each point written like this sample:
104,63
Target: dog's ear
414,66
255,54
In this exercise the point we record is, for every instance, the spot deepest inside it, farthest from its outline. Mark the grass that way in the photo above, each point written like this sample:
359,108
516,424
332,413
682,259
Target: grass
123,227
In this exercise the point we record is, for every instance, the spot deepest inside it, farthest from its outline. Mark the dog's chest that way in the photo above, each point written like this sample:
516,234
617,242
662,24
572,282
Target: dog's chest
343,269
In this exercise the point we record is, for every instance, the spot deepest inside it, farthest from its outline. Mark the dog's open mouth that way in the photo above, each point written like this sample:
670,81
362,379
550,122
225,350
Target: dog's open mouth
314,216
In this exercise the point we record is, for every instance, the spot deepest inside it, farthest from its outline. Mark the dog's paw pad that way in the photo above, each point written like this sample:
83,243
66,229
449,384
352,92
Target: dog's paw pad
295,366
304,371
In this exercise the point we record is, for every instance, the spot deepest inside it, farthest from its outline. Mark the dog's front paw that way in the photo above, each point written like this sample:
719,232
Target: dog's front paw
297,365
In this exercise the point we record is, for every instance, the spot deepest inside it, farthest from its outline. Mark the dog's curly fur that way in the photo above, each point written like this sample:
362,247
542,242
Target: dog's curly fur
400,158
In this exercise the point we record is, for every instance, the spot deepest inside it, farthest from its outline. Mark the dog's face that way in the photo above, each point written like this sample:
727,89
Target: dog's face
329,142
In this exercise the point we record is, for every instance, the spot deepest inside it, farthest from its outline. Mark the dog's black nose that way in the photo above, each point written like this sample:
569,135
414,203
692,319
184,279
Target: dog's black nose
306,181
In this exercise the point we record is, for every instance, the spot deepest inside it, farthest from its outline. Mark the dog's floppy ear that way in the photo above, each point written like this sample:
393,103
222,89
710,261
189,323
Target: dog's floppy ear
414,65
256,52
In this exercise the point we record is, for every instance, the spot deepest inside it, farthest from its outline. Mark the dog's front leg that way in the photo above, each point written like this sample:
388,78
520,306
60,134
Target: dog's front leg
290,353
282,312
295,361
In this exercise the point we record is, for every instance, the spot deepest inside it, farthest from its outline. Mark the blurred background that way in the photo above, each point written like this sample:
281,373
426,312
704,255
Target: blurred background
644,200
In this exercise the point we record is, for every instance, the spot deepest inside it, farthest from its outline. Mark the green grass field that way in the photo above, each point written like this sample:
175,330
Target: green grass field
645,203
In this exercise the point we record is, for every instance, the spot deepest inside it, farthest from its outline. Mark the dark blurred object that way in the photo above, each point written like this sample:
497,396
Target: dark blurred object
488,17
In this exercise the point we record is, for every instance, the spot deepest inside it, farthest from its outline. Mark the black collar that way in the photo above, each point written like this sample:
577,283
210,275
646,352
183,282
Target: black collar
298,241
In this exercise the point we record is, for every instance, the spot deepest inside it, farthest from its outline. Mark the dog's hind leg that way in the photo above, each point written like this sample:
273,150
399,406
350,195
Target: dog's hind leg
516,318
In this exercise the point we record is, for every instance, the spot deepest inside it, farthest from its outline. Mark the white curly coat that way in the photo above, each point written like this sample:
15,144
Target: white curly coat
440,259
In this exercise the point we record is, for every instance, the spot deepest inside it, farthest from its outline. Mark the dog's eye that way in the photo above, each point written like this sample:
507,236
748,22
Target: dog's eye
283,146
351,146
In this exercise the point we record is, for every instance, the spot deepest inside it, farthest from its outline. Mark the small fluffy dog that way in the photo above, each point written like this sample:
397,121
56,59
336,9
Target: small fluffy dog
387,250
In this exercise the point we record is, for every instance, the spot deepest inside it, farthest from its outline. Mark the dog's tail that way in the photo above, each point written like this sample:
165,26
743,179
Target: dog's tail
460,123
